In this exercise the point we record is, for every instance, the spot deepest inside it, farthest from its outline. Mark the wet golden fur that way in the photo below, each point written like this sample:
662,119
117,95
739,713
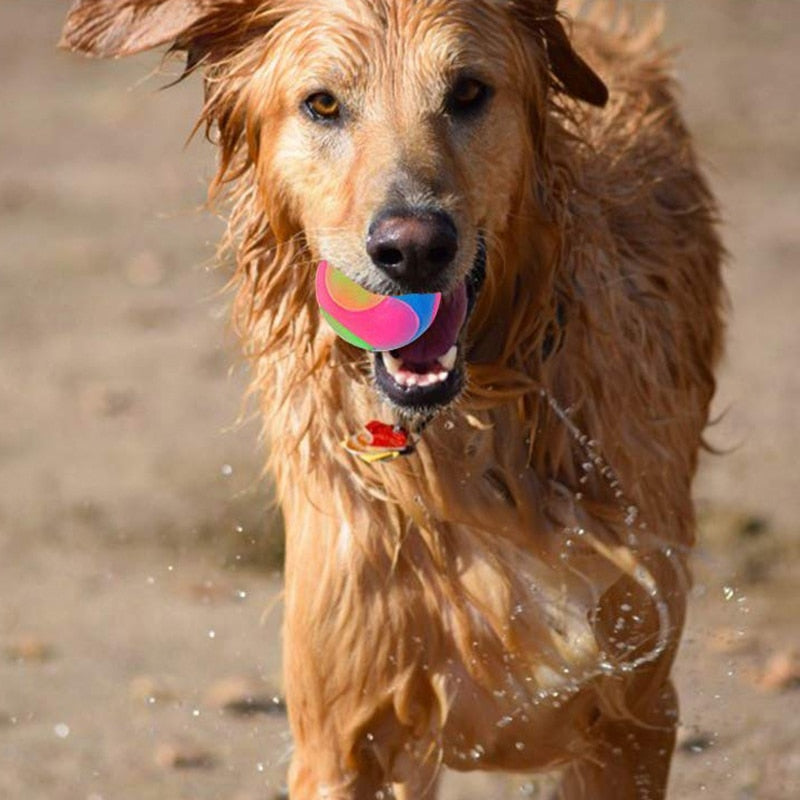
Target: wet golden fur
511,596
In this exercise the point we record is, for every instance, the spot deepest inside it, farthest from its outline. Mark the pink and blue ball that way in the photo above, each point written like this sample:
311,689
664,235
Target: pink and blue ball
372,321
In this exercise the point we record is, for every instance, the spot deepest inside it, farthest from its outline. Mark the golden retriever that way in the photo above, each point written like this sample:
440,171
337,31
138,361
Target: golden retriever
508,595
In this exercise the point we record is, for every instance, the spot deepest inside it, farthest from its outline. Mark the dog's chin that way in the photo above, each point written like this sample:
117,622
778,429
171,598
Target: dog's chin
429,374
419,393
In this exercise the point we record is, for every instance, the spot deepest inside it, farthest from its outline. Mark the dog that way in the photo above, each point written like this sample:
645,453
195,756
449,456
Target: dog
505,591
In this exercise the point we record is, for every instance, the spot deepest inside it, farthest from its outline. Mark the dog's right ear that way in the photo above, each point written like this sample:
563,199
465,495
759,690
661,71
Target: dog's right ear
112,28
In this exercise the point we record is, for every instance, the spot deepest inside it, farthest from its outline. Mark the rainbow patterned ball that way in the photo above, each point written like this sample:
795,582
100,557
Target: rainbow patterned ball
372,321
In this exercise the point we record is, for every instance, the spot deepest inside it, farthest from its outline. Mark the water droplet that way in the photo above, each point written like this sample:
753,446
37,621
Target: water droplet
61,730
195,712
212,634
504,722
259,767
728,592
449,425
227,470
520,746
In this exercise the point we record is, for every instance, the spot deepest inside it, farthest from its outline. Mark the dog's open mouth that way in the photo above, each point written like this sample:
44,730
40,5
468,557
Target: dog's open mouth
430,372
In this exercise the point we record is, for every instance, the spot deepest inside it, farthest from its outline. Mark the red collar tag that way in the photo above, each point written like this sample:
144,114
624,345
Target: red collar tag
379,441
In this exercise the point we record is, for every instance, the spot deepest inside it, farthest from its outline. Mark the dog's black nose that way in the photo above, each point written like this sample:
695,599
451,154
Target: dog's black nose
411,247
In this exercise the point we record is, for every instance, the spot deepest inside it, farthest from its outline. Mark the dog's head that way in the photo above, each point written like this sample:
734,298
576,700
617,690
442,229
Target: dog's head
398,137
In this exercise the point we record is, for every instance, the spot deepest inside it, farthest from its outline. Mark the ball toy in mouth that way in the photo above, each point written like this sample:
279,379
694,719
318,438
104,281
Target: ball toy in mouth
372,321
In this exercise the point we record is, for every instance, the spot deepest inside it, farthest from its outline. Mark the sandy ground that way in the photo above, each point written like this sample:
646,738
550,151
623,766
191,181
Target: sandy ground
137,550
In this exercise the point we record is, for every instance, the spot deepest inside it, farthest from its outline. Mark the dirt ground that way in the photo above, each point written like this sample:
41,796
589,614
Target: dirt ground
139,560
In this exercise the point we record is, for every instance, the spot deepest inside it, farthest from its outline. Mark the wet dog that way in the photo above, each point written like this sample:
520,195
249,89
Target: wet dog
510,594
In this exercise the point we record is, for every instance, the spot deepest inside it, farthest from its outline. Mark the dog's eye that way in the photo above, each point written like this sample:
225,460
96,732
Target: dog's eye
322,106
467,96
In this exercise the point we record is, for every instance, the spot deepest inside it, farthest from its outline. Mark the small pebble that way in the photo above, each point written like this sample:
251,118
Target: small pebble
244,696
183,755
694,742
29,649
753,526
210,591
732,641
782,672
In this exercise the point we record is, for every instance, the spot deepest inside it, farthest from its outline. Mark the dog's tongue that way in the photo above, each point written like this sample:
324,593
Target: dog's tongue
442,334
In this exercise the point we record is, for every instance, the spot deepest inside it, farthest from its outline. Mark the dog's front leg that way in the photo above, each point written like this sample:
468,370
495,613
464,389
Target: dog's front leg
357,686
311,779
323,680
423,786
348,741
328,762
630,757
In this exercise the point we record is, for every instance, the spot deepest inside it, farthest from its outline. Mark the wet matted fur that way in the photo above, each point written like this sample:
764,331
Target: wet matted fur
511,595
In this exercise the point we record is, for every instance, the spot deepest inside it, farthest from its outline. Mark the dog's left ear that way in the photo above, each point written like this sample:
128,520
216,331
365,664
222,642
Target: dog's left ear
111,28
570,72
575,76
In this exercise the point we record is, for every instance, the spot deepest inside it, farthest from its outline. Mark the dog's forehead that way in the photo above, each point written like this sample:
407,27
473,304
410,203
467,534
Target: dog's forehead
357,38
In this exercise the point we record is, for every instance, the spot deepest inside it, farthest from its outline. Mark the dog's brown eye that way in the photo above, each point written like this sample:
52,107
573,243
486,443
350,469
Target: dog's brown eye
467,96
322,106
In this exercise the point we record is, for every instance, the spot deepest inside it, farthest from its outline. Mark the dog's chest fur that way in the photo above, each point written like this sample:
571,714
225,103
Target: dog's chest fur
442,599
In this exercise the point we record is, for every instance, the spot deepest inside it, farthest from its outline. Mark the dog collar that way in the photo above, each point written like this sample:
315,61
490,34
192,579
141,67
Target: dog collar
380,441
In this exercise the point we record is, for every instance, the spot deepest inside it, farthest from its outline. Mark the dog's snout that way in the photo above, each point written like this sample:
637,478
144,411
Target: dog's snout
413,247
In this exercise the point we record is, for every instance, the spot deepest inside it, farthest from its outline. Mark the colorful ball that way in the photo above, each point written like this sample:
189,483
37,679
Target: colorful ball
372,321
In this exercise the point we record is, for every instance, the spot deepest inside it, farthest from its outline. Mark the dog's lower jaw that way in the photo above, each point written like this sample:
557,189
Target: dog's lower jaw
414,403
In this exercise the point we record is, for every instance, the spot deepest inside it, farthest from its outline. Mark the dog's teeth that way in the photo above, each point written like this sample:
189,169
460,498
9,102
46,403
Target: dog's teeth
403,376
448,360
392,364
